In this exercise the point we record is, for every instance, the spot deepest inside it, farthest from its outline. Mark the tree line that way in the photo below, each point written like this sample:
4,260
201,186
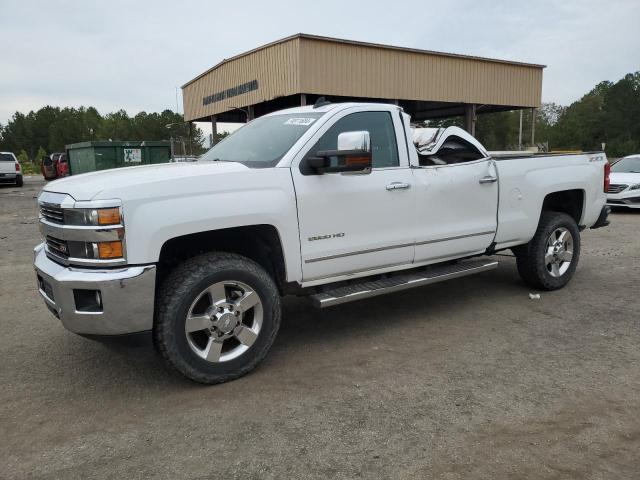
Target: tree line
609,114
49,129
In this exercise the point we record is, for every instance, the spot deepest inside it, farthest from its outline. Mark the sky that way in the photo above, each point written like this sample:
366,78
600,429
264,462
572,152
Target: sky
133,54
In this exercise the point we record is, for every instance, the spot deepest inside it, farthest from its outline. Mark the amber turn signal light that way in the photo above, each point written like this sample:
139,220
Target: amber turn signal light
108,216
108,250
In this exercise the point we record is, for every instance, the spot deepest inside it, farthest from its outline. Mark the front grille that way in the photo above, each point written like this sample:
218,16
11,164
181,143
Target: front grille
52,213
58,247
616,188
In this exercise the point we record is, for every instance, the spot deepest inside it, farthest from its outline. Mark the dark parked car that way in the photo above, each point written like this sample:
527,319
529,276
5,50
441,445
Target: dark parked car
48,169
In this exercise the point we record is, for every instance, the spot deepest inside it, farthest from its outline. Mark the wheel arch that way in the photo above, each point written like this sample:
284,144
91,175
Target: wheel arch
569,201
261,243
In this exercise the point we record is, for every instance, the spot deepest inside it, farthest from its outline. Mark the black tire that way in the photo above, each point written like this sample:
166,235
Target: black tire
530,258
19,181
180,290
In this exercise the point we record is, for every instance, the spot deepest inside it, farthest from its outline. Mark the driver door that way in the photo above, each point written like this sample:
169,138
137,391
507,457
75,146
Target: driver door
457,202
354,223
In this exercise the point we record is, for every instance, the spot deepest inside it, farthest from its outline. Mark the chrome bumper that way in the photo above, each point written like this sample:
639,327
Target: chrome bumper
126,294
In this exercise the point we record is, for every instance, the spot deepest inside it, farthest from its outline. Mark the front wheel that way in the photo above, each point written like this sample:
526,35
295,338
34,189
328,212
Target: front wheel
218,315
550,259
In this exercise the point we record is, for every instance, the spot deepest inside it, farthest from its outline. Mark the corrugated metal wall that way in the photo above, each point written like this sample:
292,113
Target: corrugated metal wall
275,67
304,64
356,70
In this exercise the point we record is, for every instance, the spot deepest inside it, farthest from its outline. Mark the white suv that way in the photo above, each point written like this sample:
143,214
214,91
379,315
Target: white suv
10,170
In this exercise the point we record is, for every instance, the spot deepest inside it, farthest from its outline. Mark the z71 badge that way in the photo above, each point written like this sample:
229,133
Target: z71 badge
326,237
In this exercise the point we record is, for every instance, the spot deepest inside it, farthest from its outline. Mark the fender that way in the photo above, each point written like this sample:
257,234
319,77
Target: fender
156,212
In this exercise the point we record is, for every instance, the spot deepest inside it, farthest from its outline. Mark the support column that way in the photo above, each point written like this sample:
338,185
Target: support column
470,118
303,99
533,127
250,113
520,132
214,130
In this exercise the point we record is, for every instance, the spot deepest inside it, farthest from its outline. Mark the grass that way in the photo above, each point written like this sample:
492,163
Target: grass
29,168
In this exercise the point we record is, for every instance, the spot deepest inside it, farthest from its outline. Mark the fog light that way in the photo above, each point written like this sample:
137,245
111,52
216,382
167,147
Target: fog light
88,300
108,250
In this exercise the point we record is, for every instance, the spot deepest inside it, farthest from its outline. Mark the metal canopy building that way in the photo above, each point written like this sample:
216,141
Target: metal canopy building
298,69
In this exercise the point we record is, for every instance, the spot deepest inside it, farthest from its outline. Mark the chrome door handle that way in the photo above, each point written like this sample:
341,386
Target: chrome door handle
397,186
488,179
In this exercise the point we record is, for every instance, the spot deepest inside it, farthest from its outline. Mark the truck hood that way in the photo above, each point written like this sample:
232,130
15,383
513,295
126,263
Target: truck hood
624,178
102,184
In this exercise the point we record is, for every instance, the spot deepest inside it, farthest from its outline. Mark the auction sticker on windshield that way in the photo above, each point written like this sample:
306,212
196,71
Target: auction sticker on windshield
300,121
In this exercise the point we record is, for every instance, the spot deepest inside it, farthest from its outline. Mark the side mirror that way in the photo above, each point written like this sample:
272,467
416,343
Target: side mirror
353,155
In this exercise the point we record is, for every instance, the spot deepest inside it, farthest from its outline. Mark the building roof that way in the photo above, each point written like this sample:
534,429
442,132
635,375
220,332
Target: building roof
363,44
425,83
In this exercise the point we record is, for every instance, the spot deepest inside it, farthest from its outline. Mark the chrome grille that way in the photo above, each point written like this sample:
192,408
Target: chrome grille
58,247
616,188
52,213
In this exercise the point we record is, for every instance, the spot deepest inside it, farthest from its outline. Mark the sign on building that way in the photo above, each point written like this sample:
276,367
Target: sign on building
132,155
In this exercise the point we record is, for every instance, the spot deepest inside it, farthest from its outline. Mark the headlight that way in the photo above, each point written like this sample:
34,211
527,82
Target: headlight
635,187
92,216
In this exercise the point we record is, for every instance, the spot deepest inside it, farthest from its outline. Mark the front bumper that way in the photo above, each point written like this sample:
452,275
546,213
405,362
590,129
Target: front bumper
627,198
126,296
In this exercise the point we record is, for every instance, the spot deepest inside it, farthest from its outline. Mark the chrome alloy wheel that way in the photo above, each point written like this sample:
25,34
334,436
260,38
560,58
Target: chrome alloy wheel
559,252
224,321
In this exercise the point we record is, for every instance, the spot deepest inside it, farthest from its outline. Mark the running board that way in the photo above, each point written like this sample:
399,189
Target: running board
396,283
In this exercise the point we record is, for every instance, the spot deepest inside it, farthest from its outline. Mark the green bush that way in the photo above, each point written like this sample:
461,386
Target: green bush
29,168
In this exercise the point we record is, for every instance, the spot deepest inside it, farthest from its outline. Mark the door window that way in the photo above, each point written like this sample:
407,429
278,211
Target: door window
384,149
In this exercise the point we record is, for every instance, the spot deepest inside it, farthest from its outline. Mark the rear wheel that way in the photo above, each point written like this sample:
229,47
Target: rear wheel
19,181
217,317
550,259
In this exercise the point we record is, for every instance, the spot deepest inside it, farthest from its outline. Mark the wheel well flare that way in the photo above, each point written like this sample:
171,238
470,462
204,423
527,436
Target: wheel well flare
260,243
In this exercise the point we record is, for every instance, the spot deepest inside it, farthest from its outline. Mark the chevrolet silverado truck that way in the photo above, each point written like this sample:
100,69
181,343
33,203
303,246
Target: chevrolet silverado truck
338,202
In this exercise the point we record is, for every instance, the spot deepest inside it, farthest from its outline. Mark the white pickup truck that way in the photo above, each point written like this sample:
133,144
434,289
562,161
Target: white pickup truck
10,169
338,202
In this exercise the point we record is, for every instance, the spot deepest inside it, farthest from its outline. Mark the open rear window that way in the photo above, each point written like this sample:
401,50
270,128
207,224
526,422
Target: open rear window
6,157
453,150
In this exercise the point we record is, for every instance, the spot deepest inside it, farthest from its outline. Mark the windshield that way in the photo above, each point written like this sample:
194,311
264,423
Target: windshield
264,141
627,165
6,157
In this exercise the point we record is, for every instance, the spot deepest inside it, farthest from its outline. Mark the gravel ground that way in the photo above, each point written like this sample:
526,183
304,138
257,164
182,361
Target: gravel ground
468,379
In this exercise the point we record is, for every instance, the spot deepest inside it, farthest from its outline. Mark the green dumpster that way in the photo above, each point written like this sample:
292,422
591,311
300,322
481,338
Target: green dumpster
91,156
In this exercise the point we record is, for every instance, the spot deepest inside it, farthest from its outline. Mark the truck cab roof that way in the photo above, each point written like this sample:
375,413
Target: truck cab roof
333,107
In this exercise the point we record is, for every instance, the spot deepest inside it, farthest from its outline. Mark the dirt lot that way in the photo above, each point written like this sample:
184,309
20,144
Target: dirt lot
468,379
